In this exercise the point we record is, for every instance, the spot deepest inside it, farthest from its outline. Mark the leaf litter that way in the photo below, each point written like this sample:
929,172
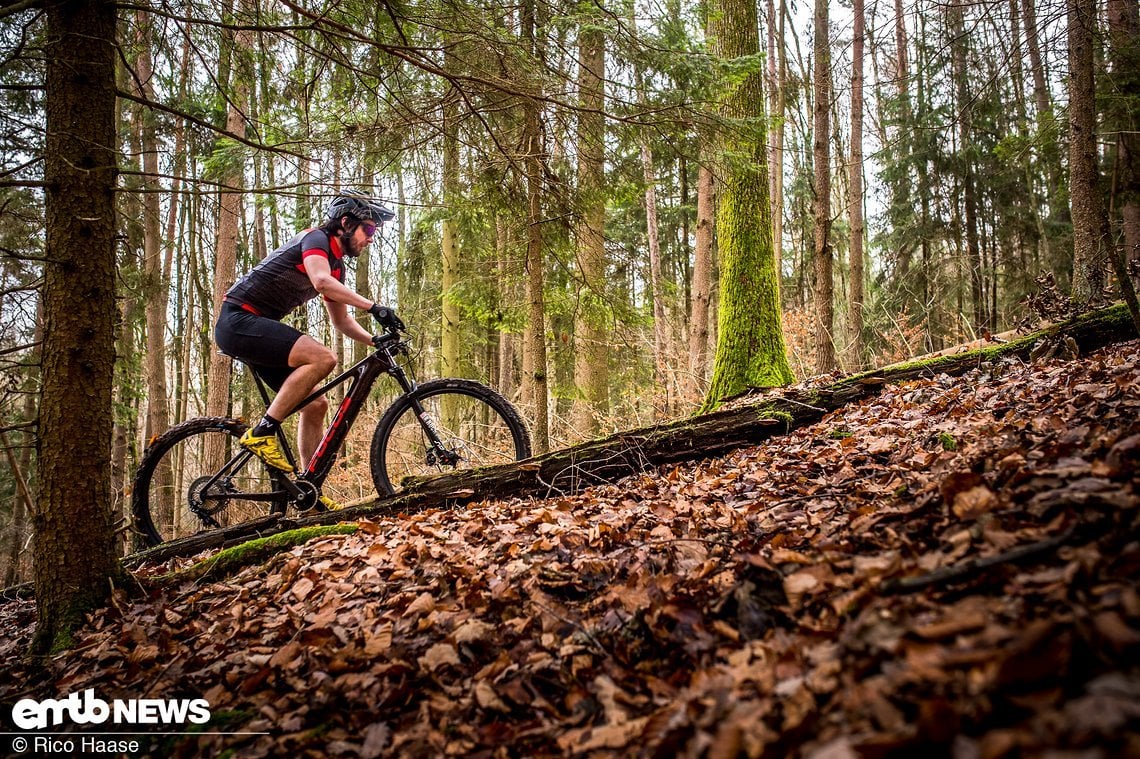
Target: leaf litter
949,566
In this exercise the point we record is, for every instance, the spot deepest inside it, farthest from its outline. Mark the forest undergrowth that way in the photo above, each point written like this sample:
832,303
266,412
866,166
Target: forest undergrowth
950,566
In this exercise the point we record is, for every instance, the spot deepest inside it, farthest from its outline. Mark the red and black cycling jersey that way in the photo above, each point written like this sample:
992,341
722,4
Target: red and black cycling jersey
279,284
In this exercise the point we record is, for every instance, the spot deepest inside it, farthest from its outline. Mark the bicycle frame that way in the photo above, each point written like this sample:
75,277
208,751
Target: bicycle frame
363,375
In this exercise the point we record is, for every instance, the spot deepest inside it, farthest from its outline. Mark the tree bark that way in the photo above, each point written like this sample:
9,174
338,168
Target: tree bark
855,191
74,551
702,283
663,397
750,340
362,283
1090,218
776,68
821,207
24,507
969,190
449,281
229,216
1047,128
591,333
902,189
1123,117
535,337
508,298
155,287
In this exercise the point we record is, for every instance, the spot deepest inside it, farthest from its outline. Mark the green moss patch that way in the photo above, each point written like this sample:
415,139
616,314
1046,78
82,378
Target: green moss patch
255,551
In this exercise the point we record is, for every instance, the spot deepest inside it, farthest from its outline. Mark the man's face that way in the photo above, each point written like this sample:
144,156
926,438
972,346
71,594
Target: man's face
361,237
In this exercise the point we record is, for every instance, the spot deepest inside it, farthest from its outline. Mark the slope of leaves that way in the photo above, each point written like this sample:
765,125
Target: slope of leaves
949,566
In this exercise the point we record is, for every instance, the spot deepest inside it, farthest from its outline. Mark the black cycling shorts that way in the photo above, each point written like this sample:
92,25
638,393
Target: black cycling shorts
263,344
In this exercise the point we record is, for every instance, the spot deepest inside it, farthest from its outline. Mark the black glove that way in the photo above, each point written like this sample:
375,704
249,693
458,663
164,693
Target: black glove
387,318
378,340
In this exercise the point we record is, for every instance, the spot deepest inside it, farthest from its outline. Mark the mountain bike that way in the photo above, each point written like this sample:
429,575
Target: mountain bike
196,477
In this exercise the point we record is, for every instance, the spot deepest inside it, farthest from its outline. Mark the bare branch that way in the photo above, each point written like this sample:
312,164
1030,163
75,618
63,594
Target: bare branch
202,123
11,8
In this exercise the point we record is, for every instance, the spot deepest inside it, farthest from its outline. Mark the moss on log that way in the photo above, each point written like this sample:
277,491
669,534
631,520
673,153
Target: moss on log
250,552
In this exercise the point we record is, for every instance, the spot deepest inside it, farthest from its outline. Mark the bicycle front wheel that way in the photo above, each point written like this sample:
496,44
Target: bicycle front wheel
474,424
189,480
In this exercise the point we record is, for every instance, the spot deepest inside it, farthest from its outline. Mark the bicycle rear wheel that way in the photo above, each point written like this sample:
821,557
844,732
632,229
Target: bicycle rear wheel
173,495
477,426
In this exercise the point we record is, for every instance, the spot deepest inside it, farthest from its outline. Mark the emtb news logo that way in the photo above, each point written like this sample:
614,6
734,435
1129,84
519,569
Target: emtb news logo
88,709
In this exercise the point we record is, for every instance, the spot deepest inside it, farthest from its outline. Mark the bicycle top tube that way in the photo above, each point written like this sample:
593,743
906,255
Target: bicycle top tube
385,353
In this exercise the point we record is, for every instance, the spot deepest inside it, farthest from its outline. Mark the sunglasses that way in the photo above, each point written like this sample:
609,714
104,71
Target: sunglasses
368,227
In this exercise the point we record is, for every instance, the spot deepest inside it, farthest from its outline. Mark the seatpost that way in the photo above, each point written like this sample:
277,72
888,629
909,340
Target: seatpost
260,386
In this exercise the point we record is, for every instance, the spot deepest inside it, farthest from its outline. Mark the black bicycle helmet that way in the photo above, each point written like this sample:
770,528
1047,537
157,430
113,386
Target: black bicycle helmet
358,205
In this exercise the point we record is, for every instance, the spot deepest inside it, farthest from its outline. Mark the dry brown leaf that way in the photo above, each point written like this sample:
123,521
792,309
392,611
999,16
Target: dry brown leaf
974,502
439,655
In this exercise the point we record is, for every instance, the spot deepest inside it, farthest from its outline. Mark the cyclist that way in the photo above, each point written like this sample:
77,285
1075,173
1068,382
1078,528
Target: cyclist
249,325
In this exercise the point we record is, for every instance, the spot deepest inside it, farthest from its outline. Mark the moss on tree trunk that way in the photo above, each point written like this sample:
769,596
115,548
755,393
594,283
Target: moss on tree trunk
750,348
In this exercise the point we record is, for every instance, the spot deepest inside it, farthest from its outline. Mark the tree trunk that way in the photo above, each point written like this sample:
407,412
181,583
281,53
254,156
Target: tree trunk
509,297
855,192
1047,128
126,422
535,337
362,283
821,207
24,506
1031,181
225,262
902,194
1123,115
663,397
154,286
776,69
750,340
928,303
449,281
973,256
591,332
1090,218
702,283
74,550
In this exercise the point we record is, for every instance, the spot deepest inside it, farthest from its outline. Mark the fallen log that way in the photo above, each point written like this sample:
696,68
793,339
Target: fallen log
747,421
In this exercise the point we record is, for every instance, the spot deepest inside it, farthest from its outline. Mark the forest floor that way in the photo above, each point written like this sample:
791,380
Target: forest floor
948,567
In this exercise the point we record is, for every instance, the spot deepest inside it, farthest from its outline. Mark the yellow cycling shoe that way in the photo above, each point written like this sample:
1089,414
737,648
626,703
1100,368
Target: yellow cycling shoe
330,504
267,449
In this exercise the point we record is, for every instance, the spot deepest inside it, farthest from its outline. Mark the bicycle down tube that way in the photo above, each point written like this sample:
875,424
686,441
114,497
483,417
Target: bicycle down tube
364,374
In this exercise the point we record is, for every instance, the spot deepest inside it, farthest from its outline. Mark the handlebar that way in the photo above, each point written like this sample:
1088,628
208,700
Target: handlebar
389,339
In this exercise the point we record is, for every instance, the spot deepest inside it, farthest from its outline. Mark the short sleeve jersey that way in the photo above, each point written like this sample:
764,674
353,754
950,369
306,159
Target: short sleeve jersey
280,283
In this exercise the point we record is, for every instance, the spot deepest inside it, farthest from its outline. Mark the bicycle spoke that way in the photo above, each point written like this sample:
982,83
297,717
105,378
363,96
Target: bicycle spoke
196,477
473,426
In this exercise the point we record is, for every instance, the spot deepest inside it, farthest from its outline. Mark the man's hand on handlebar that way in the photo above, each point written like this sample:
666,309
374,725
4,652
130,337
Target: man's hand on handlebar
387,318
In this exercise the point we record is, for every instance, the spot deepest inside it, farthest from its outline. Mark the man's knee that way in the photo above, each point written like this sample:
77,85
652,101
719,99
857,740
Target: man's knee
327,362
318,407
308,352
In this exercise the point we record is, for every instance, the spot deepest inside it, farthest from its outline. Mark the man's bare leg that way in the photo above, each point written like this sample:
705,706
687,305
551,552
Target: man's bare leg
310,429
311,363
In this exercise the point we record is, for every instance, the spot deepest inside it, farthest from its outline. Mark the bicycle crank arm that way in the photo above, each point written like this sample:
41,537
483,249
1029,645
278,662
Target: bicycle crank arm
301,492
